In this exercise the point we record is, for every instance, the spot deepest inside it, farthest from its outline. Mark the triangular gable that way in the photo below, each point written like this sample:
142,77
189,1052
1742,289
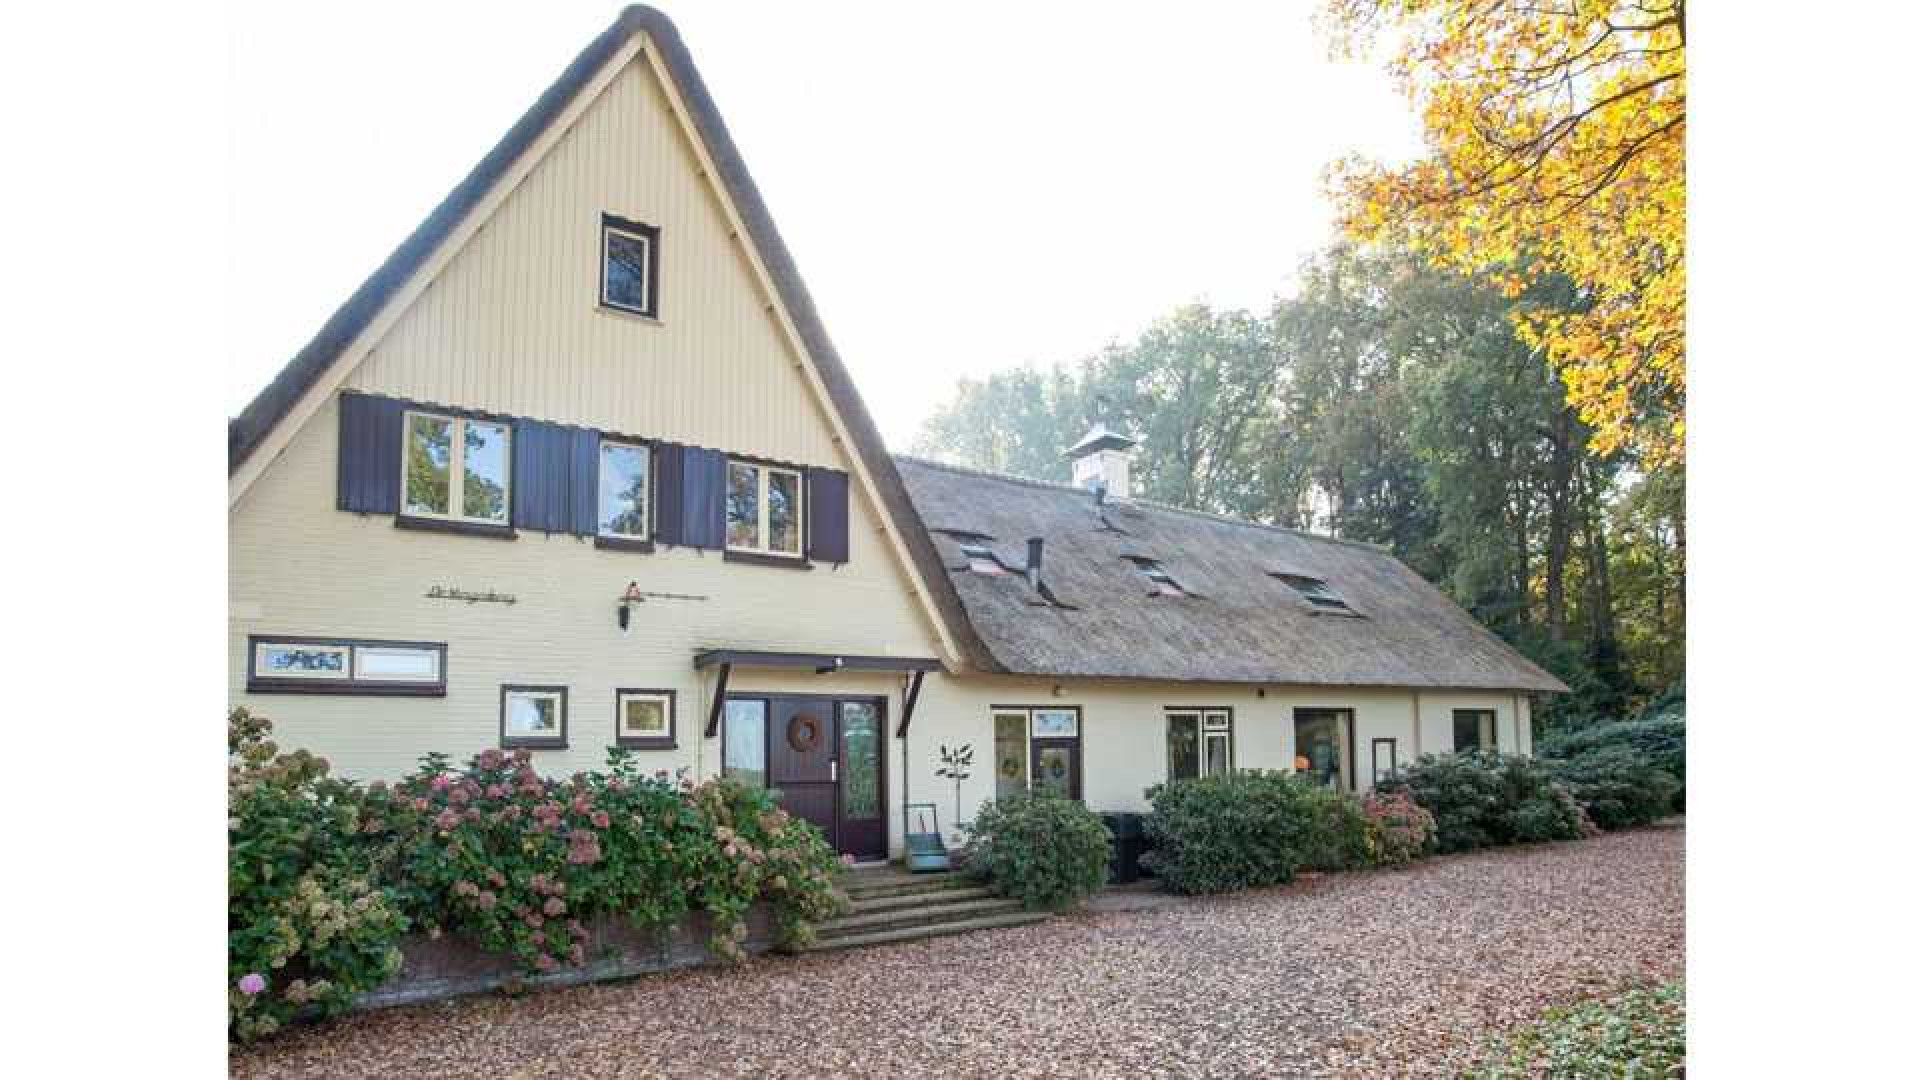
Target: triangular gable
265,426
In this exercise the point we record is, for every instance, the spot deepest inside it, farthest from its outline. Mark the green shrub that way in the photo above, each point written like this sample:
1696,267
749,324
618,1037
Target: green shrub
1222,833
306,928
1617,786
1338,836
1486,800
1639,1033
1658,735
1045,851
519,862
1399,829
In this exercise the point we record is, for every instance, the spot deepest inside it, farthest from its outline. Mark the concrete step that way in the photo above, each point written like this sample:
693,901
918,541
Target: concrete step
917,933
901,884
866,922
869,904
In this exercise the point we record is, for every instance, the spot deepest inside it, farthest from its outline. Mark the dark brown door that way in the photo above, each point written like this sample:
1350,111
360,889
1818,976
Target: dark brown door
1056,767
801,742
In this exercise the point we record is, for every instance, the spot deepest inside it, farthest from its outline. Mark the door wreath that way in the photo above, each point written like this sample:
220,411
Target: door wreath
803,733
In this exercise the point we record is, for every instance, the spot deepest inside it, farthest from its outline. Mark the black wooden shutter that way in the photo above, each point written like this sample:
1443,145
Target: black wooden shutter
703,505
826,513
666,492
370,453
540,481
584,481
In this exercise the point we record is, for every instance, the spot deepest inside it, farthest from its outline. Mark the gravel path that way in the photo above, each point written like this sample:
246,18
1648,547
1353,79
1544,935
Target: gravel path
1392,973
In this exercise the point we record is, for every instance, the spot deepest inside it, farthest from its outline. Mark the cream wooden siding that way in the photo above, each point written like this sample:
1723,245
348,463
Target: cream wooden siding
297,566
513,324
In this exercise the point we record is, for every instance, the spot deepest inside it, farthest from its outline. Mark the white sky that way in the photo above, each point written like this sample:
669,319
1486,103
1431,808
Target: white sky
966,187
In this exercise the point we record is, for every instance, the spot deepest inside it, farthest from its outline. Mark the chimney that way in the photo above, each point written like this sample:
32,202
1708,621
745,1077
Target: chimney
1102,463
1034,545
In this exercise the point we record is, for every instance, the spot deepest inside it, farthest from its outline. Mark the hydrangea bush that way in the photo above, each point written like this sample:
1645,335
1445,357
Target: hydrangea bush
307,927
1043,850
1399,830
324,876
1483,800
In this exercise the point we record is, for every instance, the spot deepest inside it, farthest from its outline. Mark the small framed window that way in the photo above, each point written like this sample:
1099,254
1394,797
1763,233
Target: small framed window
1474,730
1199,743
625,487
643,719
456,468
763,509
534,717
743,752
630,266
291,665
1162,582
1386,760
1036,749
1317,593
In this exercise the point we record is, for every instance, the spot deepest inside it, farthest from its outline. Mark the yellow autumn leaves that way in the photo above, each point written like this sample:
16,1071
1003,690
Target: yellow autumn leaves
1556,146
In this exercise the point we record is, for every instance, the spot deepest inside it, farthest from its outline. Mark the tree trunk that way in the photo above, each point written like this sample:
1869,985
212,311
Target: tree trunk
1559,522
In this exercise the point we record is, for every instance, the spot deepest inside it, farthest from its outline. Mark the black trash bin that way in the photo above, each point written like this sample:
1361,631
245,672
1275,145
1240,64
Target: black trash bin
1129,840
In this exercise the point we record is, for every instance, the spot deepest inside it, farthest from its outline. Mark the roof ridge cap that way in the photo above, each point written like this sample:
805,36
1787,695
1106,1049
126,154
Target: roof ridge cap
1225,519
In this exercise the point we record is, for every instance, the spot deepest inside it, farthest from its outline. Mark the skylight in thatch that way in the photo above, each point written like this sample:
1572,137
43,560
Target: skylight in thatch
1317,592
1162,582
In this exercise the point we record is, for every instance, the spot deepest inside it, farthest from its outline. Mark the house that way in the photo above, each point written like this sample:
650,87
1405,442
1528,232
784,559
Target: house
578,467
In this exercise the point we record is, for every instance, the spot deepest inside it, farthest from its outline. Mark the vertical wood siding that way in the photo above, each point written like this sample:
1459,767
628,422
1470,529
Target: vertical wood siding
514,325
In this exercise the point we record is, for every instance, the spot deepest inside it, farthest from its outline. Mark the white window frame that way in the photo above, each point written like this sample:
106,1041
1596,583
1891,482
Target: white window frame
432,656
764,508
556,694
456,468
650,307
646,498
1209,725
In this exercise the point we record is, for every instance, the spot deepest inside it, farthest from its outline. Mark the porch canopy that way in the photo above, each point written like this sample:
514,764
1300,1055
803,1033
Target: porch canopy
819,663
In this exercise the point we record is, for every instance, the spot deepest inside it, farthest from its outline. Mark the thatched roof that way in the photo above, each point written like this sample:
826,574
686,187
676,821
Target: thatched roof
1240,623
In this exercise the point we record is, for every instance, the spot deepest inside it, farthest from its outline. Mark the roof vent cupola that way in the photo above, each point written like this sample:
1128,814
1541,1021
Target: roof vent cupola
1103,463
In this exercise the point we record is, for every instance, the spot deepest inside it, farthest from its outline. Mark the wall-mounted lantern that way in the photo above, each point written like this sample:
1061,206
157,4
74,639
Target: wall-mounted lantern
627,600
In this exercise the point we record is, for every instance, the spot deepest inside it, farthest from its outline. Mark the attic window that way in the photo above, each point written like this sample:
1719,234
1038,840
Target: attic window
629,266
1318,593
981,559
1163,583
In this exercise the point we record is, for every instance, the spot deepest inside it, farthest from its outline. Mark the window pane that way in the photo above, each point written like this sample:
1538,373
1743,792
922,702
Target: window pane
743,505
429,459
643,717
1473,730
860,779
627,271
1320,747
385,662
1183,746
1009,754
484,469
744,757
1055,722
1219,754
1054,775
533,715
623,489
783,512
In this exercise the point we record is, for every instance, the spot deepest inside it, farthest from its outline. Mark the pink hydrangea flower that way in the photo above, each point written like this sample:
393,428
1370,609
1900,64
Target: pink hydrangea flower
601,820
439,782
555,906
252,983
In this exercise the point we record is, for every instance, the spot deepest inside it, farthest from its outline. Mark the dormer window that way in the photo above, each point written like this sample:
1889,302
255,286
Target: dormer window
981,559
1318,593
1157,576
629,266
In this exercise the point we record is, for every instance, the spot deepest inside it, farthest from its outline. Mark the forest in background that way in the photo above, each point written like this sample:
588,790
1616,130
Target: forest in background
1392,402
1487,377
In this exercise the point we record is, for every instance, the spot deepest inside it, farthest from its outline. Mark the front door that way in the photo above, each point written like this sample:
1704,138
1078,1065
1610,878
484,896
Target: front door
825,759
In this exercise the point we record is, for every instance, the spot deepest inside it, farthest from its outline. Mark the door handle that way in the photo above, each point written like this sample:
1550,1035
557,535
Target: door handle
833,770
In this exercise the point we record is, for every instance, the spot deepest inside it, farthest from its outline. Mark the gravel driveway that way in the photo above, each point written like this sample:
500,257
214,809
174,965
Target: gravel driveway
1391,973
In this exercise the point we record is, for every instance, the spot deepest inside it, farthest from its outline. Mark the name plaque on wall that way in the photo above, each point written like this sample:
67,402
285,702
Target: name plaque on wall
448,592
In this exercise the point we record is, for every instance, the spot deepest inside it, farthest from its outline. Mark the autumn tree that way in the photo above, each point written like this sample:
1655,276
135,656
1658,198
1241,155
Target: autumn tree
1555,137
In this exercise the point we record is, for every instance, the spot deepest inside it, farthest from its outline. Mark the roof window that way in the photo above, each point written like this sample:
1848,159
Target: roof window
1317,592
1163,583
981,559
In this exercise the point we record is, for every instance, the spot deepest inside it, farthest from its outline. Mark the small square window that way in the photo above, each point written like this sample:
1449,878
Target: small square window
1474,731
643,719
533,717
629,266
